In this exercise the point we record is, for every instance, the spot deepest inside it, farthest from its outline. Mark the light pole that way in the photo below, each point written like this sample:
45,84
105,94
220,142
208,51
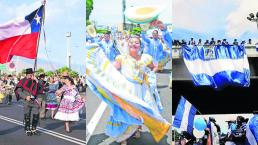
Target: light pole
253,18
68,37
124,7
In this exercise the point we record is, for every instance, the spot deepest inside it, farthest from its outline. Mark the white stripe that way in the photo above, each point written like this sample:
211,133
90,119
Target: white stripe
49,132
184,122
212,67
14,28
95,120
249,135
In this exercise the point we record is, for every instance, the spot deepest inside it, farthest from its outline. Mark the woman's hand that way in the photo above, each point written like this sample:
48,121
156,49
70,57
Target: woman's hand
117,64
58,93
158,24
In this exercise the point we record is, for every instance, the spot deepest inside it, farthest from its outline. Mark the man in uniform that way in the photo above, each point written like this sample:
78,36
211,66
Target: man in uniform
27,89
41,96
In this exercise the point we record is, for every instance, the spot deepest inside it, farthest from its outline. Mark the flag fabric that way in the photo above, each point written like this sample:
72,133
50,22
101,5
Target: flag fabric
184,117
213,136
217,66
113,88
19,37
252,131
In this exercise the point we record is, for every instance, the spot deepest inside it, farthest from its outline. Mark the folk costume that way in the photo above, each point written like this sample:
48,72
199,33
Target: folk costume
29,87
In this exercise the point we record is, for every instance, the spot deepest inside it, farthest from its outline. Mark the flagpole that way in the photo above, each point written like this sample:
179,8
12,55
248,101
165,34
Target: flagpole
43,18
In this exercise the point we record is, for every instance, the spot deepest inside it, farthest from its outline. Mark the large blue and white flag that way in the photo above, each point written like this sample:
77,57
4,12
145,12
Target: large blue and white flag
184,117
217,66
252,131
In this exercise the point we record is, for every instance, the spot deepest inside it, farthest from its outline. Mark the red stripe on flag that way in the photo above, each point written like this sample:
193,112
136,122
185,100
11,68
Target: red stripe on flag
24,46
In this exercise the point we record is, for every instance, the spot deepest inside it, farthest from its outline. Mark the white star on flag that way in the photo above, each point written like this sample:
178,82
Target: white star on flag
37,19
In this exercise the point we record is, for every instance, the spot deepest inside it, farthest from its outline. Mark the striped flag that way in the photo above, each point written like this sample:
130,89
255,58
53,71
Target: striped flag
19,37
184,117
217,66
252,131
114,89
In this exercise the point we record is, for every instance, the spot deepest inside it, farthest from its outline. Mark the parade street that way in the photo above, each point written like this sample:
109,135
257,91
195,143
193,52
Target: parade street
49,131
98,112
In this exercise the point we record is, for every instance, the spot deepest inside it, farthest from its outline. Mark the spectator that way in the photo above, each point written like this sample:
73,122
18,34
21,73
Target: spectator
249,42
200,42
212,42
235,42
191,42
207,42
224,42
218,42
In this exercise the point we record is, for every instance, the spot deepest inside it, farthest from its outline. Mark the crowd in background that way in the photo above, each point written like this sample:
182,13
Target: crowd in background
8,83
192,41
235,135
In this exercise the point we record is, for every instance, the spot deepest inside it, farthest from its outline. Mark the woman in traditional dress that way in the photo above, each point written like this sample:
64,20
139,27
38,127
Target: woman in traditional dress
134,66
51,101
70,104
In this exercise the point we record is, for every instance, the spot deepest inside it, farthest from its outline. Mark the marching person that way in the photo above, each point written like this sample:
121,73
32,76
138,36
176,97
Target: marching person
27,89
51,101
108,47
41,97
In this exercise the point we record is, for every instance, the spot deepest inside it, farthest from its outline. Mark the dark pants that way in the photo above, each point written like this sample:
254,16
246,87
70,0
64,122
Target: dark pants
31,107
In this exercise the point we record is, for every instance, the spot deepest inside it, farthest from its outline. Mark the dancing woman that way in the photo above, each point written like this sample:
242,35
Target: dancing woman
70,105
134,66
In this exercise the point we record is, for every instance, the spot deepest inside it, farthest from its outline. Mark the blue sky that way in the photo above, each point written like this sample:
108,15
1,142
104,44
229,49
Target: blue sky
61,16
104,14
214,18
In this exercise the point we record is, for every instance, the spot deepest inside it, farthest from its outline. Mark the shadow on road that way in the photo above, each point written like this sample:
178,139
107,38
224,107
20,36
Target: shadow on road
146,139
10,130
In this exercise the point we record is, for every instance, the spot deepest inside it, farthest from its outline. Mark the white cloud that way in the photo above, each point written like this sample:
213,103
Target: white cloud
185,14
237,24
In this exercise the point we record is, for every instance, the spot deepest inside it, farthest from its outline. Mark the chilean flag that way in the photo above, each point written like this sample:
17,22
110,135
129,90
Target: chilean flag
20,37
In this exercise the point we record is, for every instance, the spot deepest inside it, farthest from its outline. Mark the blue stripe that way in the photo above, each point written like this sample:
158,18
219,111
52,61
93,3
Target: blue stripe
223,78
35,27
217,52
179,113
253,125
191,119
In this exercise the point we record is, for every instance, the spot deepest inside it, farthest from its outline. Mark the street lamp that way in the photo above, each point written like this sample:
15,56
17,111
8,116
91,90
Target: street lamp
253,18
68,36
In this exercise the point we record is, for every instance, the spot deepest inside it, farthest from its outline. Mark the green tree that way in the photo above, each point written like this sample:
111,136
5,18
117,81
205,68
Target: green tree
39,71
49,73
73,74
89,8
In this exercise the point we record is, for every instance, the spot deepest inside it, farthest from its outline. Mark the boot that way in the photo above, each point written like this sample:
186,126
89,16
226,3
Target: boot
35,121
27,124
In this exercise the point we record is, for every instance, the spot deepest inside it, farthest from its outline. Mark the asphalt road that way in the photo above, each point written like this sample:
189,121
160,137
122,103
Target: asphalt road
50,131
98,112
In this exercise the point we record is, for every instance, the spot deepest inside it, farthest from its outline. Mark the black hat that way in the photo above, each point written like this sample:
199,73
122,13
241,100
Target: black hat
108,32
29,71
9,76
42,75
212,119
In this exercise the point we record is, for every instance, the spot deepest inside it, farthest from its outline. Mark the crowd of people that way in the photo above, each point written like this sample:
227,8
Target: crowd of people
192,41
39,94
236,133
